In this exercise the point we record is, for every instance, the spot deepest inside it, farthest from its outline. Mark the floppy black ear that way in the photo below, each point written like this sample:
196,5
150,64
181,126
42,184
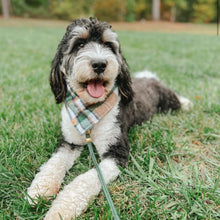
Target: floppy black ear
57,78
57,82
124,83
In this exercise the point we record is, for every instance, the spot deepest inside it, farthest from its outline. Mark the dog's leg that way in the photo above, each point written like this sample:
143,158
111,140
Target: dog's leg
168,99
75,197
47,182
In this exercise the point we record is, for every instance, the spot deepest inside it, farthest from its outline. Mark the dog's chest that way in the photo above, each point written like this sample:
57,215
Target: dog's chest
104,133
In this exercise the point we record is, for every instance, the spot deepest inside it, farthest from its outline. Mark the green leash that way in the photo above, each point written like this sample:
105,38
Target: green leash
102,181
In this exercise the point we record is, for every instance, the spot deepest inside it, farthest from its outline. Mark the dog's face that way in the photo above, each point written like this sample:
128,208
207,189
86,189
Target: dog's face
90,61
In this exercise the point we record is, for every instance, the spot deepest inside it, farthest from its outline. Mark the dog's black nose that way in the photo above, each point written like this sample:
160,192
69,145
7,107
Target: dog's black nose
99,66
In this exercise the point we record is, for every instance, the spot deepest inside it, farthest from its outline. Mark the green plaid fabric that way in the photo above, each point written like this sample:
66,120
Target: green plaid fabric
85,117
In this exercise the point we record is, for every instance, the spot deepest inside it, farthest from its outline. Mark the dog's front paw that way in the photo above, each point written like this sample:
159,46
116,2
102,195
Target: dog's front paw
48,181
43,186
75,197
65,210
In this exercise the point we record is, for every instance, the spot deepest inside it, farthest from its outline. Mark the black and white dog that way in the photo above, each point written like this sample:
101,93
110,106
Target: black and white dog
89,61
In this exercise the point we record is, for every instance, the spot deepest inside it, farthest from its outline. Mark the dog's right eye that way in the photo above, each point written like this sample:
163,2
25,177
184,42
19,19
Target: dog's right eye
79,44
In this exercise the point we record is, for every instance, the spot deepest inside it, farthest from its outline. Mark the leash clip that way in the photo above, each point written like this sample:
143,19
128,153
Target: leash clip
88,137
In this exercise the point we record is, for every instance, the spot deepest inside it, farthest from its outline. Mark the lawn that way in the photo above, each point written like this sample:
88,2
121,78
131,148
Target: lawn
174,165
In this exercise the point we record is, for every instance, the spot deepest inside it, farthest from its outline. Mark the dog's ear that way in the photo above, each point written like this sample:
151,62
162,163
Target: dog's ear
57,78
124,82
57,81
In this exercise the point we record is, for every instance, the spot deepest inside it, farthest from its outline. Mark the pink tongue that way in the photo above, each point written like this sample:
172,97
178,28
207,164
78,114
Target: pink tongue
95,89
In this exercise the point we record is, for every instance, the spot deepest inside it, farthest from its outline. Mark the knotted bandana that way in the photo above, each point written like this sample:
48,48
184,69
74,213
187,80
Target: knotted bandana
85,117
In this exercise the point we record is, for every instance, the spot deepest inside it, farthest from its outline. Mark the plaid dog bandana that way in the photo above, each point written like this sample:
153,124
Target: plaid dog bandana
85,117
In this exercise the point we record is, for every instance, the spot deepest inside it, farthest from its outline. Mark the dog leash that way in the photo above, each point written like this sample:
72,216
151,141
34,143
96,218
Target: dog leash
101,179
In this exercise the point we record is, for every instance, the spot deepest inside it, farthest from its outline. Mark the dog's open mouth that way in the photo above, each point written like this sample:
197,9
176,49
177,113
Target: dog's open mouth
96,87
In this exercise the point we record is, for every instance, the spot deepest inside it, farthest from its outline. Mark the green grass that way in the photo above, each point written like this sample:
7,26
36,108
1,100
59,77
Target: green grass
174,165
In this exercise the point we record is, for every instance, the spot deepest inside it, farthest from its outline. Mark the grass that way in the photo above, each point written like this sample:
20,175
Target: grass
174,165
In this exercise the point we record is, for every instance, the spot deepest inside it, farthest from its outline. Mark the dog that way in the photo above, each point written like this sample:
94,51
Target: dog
89,64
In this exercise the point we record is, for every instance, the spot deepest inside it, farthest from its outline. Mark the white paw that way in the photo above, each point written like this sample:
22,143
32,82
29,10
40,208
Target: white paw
48,181
42,185
75,197
186,104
